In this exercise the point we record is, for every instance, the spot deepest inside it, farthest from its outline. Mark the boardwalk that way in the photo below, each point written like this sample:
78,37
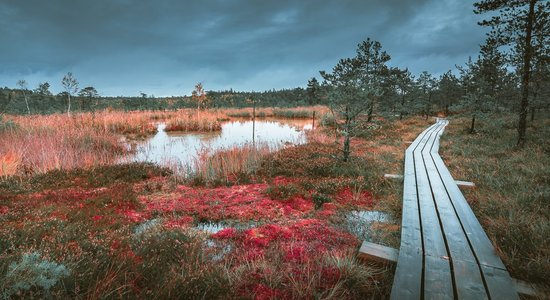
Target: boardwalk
444,252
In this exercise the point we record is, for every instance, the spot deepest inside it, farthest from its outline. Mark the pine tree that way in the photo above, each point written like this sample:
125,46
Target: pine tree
354,84
517,24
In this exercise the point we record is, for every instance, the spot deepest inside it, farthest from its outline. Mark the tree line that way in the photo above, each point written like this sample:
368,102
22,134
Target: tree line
41,100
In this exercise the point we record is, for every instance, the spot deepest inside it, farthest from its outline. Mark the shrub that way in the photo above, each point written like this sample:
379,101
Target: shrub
176,266
32,272
320,199
282,191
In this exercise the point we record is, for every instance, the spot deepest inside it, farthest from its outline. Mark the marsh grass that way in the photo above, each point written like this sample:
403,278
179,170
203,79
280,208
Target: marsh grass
235,165
47,143
512,187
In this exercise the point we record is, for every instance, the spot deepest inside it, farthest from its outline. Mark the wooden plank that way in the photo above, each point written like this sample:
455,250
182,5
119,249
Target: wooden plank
468,280
437,278
453,257
396,176
465,183
438,282
434,244
496,279
499,283
407,282
481,245
379,253
467,276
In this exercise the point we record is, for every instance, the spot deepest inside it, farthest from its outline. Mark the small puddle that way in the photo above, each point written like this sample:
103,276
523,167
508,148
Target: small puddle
369,216
182,149
360,223
215,227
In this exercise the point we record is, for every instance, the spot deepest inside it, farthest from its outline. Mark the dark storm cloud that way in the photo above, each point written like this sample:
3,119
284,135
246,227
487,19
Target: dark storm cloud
164,47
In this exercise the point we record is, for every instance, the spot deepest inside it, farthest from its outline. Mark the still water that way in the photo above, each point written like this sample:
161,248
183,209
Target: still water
182,149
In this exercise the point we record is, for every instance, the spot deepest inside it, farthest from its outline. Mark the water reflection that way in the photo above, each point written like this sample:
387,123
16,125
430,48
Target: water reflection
182,149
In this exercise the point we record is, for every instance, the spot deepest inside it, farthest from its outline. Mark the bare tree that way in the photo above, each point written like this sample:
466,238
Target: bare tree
71,87
24,87
199,97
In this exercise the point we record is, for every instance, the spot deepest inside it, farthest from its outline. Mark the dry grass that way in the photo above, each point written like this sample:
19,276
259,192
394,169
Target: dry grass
234,165
42,143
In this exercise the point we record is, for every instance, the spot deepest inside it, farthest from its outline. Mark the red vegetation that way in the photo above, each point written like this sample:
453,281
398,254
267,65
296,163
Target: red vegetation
300,240
243,203
362,199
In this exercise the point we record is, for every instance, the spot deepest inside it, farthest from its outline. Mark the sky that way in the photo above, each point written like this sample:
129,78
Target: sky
164,47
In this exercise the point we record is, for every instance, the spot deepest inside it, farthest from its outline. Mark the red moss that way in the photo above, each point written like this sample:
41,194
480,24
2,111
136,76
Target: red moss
181,222
263,292
362,199
133,216
243,202
227,233
301,240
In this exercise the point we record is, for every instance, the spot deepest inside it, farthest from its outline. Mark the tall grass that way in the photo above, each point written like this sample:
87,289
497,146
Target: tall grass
234,165
202,122
41,146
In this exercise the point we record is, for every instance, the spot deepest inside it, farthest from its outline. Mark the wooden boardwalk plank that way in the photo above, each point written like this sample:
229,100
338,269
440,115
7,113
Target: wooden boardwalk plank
434,244
482,246
444,252
437,271
408,278
468,281
376,252
437,279
499,283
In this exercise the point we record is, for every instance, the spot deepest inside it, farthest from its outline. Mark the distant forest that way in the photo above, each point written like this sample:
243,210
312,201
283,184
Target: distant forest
41,101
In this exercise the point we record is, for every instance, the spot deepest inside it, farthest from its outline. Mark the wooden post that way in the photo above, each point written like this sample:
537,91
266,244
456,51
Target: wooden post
313,124
253,121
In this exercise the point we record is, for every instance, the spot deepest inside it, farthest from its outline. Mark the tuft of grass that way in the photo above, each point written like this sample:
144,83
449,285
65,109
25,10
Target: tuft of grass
193,122
236,165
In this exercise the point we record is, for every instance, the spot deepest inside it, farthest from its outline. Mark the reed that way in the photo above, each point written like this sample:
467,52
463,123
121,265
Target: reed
233,165
41,143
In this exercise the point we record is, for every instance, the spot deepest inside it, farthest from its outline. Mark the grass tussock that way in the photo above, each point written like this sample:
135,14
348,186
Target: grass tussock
236,165
512,187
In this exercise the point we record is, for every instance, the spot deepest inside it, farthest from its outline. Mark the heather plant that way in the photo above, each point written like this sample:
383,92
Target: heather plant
319,199
282,191
176,265
32,272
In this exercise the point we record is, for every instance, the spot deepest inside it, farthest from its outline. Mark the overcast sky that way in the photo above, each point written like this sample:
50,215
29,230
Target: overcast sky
123,47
